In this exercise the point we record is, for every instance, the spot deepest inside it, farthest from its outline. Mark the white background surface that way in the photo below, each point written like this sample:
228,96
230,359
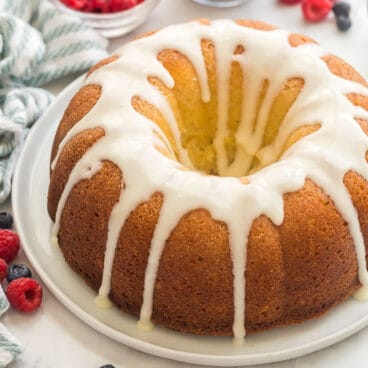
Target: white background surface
53,337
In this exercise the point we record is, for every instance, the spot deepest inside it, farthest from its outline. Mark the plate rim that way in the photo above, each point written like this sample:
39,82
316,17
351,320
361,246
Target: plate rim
40,128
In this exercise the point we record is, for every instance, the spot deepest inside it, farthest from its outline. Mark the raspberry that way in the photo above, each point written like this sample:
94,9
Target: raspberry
9,244
24,294
75,4
316,10
118,5
3,269
100,6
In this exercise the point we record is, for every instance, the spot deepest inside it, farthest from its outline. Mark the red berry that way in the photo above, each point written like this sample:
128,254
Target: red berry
118,5
100,6
3,269
88,6
290,2
316,10
75,4
24,294
9,244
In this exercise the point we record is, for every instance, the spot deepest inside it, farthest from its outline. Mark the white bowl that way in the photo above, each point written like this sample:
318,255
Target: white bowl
113,24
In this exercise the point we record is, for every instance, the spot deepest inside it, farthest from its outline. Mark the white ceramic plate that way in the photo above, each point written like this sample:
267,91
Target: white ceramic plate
33,224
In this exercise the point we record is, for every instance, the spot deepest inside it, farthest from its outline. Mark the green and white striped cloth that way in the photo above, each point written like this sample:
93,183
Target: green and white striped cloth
10,348
38,43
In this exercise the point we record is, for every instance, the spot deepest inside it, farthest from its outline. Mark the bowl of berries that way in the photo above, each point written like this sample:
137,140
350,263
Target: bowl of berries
112,18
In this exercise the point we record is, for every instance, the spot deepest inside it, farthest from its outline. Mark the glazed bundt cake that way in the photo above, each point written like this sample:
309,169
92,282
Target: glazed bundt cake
211,177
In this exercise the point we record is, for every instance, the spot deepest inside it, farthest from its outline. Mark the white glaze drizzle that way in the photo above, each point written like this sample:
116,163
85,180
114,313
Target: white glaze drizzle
324,156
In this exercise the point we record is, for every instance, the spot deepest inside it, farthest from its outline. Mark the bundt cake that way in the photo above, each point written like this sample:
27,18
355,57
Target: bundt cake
211,177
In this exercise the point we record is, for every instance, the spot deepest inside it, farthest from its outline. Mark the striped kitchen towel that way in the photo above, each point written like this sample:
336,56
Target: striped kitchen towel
9,346
38,43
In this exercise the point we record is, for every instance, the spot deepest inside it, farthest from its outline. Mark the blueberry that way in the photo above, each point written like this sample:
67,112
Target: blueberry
6,220
341,8
18,270
343,23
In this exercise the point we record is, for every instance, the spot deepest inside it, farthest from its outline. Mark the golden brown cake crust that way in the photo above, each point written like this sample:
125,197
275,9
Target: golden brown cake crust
294,271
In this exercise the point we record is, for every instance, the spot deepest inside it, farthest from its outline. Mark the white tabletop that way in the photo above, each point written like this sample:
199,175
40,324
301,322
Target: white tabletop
53,337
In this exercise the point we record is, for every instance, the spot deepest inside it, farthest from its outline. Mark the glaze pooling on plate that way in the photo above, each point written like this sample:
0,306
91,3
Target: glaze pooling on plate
323,156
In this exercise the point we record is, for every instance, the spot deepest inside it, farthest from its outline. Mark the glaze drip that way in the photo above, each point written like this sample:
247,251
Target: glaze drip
323,156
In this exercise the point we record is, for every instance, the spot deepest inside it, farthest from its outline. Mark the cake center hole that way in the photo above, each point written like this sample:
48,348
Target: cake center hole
229,136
